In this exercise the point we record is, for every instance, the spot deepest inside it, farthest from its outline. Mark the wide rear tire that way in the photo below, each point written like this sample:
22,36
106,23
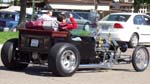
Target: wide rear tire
140,58
9,55
63,59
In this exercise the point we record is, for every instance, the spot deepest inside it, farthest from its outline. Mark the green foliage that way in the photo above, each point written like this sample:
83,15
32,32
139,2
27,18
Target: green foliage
138,3
80,32
146,1
4,36
16,2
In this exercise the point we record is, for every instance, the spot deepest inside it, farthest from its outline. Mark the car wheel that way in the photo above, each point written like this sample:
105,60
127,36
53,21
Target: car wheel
13,29
63,59
133,41
86,27
9,55
140,58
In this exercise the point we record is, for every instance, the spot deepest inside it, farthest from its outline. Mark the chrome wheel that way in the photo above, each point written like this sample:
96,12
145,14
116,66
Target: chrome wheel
87,27
64,59
140,58
68,60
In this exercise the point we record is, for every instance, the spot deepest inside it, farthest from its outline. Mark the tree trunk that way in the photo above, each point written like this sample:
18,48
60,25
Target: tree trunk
137,4
22,19
95,4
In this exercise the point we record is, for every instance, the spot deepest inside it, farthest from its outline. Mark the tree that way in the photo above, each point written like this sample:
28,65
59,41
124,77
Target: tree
146,1
16,2
137,4
22,19
96,2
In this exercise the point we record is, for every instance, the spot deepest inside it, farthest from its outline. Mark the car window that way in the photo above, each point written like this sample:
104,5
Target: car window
76,16
116,17
55,14
139,20
85,15
10,16
146,19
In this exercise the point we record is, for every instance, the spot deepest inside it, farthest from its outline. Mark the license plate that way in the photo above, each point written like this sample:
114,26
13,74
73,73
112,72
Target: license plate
105,27
34,43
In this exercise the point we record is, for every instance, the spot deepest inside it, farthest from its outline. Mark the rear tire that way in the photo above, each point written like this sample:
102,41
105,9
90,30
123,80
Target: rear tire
140,58
10,55
63,59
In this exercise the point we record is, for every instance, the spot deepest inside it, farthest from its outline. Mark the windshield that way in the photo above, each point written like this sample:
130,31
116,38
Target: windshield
116,17
7,16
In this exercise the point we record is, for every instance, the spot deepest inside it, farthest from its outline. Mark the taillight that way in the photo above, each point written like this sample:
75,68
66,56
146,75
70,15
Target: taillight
118,26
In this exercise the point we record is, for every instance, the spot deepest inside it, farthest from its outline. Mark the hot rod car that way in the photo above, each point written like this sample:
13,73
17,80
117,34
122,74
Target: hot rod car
64,56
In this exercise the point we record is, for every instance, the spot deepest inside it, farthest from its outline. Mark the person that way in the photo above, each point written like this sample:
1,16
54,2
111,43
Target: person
49,22
47,16
64,25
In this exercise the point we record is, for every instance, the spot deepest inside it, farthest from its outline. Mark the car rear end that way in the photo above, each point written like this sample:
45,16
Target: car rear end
32,40
116,26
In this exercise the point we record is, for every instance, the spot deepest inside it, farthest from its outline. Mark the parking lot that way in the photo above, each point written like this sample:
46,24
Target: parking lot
120,74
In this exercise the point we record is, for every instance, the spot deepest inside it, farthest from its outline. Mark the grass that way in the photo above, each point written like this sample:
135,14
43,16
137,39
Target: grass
4,36
80,33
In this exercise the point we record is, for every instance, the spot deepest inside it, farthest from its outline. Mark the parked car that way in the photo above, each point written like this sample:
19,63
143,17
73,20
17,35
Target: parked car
91,16
10,20
82,23
131,28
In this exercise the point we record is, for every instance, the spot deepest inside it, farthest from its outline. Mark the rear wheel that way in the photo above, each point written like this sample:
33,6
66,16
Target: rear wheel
140,58
134,41
63,59
86,27
13,29
10,55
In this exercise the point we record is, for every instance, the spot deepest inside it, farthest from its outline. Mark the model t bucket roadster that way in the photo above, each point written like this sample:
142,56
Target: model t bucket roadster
63,55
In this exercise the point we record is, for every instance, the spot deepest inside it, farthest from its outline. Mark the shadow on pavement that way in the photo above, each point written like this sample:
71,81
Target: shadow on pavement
102,70
33,70
3,68
43,71
38,71
125,70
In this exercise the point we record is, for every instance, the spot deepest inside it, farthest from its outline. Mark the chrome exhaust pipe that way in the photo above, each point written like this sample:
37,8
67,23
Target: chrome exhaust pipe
92,66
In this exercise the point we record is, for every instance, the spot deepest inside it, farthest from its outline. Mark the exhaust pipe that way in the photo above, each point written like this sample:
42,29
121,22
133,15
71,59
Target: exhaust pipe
92,66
